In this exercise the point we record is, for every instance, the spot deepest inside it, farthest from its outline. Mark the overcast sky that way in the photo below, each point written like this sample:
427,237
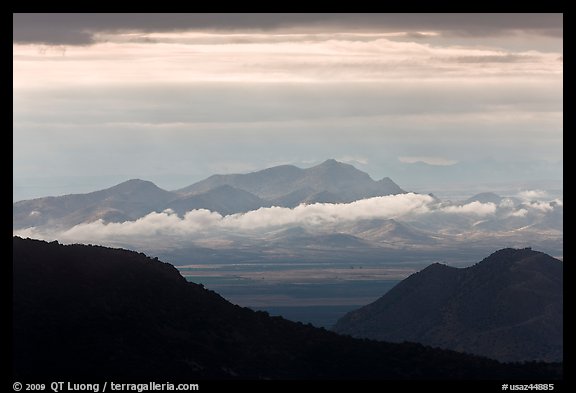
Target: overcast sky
174,98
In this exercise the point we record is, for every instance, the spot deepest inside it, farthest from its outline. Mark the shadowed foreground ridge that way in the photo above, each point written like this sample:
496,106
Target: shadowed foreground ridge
508,307
90,311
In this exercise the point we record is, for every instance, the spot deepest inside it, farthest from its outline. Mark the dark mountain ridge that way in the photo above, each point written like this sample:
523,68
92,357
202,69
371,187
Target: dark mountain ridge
94,312
509,307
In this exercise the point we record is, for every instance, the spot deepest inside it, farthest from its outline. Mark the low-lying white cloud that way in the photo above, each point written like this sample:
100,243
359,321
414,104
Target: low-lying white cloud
507,203
392,206
199,222
519,213
543,207
531,195
476,208
170,229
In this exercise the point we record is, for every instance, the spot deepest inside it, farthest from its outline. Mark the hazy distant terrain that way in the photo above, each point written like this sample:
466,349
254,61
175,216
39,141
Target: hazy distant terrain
330,212
282,186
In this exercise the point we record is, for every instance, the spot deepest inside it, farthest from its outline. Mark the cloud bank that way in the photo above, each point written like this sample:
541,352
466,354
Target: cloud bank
200,222
476,208
169,228
531,195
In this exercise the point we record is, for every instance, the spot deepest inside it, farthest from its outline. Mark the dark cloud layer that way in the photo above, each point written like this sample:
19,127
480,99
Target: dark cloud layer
79,29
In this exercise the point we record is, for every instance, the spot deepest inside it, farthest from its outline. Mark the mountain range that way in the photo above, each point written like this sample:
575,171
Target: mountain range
343,213
508,307
285,186
94,312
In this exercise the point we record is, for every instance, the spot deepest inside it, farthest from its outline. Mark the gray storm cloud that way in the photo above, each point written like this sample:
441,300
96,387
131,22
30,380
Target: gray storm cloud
80,28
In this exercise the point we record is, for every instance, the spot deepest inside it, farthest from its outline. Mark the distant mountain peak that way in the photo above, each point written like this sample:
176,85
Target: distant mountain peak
332,171
136,181
135,184
286,185
390,185
128,200
331,162
485,197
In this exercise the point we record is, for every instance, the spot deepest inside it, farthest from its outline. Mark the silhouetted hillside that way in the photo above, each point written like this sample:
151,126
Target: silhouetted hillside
89,311
508,307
